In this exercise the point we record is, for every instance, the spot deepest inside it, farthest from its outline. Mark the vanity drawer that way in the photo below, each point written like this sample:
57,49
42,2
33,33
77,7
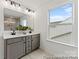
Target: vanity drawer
15,40
19,39
36,35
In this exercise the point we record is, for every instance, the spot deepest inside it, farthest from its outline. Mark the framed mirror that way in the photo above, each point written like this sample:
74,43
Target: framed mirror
14,18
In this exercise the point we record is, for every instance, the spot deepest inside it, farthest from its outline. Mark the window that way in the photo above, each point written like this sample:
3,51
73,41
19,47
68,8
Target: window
60,20
61,13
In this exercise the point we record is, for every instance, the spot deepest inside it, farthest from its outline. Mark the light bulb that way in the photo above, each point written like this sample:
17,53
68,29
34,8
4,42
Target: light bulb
7,3
26,11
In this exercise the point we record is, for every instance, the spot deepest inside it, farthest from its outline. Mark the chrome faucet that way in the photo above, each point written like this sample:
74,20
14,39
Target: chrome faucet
13,32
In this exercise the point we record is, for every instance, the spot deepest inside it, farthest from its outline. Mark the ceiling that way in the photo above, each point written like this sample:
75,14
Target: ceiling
33,4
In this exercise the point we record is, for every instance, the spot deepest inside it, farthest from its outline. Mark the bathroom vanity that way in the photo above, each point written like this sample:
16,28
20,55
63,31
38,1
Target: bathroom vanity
18,46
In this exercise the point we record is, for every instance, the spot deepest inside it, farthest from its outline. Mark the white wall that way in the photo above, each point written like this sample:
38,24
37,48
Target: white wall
41,24
1,32
75,17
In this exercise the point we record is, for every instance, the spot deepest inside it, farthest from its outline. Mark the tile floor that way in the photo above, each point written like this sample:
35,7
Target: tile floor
38,54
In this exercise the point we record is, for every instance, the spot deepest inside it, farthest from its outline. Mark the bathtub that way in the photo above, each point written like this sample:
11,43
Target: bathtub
58,49
62,46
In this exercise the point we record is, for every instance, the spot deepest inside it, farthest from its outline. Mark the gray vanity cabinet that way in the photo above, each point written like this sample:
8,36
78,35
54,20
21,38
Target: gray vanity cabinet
35,41
15,48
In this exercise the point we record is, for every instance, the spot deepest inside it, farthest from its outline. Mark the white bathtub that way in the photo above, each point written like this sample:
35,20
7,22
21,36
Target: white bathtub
61,49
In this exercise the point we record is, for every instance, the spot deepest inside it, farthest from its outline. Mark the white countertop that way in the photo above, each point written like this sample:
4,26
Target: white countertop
8,36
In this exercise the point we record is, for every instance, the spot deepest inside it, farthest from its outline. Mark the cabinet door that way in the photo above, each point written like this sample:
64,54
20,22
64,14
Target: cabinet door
12,51
15,50
20,49
35,41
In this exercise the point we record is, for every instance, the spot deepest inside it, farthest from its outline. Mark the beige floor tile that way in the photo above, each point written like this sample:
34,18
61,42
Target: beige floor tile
37,54
26,57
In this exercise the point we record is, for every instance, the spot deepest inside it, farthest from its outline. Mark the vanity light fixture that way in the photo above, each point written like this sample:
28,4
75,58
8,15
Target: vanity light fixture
29,10
19,5
33,11
13,3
